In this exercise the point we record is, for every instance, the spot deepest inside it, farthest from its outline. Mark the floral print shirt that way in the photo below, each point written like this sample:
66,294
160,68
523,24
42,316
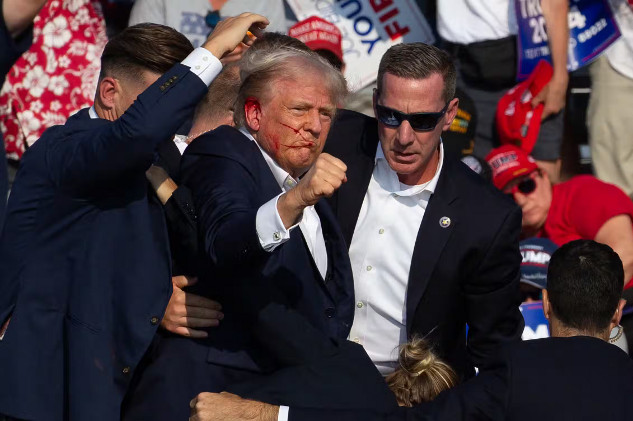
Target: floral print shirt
57,76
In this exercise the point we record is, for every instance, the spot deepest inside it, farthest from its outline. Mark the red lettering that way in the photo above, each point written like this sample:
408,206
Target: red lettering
393,12
378,5
395,31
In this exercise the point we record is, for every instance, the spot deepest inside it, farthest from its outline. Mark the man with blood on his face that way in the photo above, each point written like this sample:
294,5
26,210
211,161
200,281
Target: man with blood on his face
270,244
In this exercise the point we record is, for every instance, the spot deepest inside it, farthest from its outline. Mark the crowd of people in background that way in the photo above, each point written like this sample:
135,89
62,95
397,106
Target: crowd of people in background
207,221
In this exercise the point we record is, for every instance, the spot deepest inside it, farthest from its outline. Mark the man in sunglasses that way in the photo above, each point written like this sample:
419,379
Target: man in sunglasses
432,246
581,208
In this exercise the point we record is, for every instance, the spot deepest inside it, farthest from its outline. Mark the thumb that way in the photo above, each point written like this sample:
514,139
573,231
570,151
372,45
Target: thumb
182,281
539,98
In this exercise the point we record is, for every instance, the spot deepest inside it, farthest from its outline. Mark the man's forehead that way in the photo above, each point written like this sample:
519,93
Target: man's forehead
430,86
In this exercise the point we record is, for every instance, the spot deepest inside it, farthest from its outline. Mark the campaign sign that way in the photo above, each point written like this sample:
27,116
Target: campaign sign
536,325
592,29
368,28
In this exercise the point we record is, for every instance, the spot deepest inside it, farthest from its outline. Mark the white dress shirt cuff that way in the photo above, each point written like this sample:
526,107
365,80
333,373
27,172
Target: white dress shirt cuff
270,229
204,64
283,413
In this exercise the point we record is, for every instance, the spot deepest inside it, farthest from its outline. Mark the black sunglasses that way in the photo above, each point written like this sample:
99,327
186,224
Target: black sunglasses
420,122
526,186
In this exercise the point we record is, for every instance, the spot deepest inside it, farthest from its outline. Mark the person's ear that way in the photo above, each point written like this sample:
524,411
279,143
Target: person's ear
547,307
107,91
253,113
451,112
617,316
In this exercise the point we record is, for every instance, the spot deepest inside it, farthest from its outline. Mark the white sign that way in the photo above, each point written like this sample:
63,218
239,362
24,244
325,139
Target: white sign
369,28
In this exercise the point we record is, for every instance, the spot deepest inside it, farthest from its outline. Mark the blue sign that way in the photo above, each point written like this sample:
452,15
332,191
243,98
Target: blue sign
536,326
592,29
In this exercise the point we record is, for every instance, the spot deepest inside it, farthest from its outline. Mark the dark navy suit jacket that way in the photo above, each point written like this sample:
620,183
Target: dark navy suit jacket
552,379
463,273
230,180
84,259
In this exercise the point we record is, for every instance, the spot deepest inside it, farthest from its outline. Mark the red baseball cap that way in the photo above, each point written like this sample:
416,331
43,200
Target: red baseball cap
509,162
318,34
518,123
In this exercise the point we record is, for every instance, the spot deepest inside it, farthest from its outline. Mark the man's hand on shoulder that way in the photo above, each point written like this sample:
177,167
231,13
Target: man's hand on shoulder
187,312
226,406
232,32
325,176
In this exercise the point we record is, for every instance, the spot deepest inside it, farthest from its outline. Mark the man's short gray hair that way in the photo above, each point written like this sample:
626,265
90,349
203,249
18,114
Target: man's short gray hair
419,61
261,68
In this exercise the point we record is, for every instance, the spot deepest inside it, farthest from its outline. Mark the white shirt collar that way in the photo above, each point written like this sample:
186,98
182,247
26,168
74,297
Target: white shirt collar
285,180
392,183
92,112
181,142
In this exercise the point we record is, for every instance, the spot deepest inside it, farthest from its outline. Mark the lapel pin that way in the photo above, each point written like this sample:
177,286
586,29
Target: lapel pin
445,222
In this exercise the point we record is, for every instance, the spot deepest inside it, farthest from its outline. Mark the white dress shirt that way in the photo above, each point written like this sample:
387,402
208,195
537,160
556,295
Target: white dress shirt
270,228
381,252
180,141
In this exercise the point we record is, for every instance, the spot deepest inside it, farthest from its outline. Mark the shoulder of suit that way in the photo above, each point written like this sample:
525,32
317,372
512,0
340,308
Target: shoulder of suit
351,130
224,141
476,190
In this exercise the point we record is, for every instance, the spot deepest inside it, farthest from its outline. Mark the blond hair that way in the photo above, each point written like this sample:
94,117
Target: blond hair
421,376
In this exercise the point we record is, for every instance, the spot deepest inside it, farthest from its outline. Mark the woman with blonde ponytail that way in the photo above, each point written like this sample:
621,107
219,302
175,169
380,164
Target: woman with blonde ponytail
422,375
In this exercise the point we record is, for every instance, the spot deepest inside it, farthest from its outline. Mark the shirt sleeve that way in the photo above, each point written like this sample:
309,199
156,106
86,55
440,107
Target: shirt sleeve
283,413
203,64
270,229
594,204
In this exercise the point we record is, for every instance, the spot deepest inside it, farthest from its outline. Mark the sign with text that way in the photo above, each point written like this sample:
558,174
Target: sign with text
536,326
368,28
592,29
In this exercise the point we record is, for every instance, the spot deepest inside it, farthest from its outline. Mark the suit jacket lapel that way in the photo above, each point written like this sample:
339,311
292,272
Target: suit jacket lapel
431,239
350,196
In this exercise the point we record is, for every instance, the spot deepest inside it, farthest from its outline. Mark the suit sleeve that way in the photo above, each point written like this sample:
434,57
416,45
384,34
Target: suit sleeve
183,231
225,195
492,295
96,157
483,398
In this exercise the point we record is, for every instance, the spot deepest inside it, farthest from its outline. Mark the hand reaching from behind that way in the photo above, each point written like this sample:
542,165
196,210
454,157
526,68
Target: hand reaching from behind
187,312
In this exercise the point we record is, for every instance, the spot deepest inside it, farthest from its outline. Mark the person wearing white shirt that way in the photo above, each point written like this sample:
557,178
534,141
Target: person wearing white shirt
433,246
481,34
267,237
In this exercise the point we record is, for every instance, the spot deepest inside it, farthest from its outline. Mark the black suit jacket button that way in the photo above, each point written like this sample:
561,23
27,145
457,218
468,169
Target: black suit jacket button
126,370
154,320
330,312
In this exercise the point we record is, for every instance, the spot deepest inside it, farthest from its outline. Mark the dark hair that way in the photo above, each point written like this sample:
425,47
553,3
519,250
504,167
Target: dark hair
421,376
419,61
584,285
331,58
146,46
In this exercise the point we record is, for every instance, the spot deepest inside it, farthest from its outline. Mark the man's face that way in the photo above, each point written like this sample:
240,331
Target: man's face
294,122
413,154
535,204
